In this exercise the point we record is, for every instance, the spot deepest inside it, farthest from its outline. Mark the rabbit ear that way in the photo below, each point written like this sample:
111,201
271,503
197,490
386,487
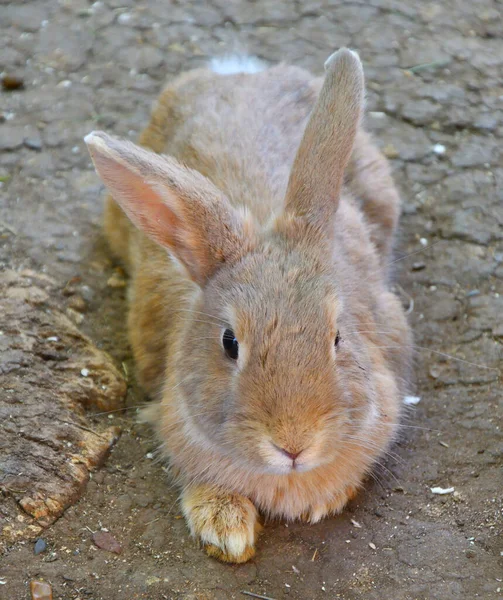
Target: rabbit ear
176,206
317,174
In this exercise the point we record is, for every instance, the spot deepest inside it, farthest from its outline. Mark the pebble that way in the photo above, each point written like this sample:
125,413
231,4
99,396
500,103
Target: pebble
411,400
439,149
390,151
40,590
441,491
75,316
77,303
84,372
116,281
418,266
372,545
33,143
12,82
106,541
124,19
40,546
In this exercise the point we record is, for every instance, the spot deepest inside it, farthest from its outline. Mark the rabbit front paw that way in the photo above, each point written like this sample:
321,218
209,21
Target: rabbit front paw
316,512
226,523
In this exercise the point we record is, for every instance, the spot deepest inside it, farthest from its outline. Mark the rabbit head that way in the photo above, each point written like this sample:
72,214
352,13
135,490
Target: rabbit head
261,364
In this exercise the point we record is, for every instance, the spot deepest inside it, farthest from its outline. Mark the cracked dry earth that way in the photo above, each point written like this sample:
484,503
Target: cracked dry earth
435,104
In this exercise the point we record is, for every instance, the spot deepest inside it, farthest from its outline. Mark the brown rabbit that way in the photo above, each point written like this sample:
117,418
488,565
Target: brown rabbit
261,318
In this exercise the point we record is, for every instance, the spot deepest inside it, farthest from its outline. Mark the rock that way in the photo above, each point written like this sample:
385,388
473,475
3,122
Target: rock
26,17
475,152
40,590
420,112
143,59
409,143
106,541
469,226
64,49
11,137
40,546
443,307
38,166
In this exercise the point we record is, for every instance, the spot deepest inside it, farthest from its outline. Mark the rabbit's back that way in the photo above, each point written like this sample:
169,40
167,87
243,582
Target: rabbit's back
241,131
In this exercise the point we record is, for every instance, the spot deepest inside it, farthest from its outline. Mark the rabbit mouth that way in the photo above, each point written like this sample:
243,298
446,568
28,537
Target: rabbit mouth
283,461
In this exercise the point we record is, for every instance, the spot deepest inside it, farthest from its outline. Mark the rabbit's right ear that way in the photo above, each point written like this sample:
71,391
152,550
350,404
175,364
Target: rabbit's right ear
177,207
317,174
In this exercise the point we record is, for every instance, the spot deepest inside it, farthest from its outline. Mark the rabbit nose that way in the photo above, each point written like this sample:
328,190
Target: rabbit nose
292,455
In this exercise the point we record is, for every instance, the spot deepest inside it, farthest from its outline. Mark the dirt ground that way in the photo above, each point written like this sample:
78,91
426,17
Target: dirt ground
435,103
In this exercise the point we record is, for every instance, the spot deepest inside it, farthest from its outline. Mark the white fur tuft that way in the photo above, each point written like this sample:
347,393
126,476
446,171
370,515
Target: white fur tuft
230,65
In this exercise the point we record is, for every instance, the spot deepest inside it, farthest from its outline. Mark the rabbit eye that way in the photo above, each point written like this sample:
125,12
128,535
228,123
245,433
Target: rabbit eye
230,344
337,339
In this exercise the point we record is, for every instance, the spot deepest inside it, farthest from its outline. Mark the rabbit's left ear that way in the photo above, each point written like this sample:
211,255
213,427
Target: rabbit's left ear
175,206
317,174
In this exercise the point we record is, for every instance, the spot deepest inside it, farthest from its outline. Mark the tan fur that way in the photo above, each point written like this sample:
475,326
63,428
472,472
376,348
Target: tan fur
286,243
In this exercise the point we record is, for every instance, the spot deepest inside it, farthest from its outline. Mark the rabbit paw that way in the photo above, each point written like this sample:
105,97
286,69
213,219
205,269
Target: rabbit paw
316,512
226,523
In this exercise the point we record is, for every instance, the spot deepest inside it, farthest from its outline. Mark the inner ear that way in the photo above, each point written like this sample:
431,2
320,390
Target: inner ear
176,206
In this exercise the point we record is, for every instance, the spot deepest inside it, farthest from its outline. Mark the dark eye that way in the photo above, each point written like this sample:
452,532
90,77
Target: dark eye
230,344
337,339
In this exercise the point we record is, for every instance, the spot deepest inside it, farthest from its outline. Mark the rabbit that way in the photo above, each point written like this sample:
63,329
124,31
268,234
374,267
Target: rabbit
256,222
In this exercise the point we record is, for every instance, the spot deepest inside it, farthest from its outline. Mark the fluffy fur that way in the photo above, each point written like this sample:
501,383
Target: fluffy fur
272,215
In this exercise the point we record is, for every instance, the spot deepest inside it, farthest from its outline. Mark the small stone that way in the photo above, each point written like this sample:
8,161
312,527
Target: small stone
84,372
124,19
12,82
439,149
418,266
33,143
40,546
106,541
390,151
52,557
116,281
441,491
77,303
40,590
372,545
411,400
75,316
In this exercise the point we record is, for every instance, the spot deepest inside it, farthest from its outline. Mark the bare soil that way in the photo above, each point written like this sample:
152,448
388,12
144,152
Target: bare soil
435,103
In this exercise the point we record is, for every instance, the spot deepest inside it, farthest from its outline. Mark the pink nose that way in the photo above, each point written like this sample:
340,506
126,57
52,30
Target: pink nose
292,455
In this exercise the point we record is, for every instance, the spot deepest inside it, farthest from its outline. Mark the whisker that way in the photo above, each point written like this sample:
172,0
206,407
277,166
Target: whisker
109,412
444,354
201,313
415,252
201,321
